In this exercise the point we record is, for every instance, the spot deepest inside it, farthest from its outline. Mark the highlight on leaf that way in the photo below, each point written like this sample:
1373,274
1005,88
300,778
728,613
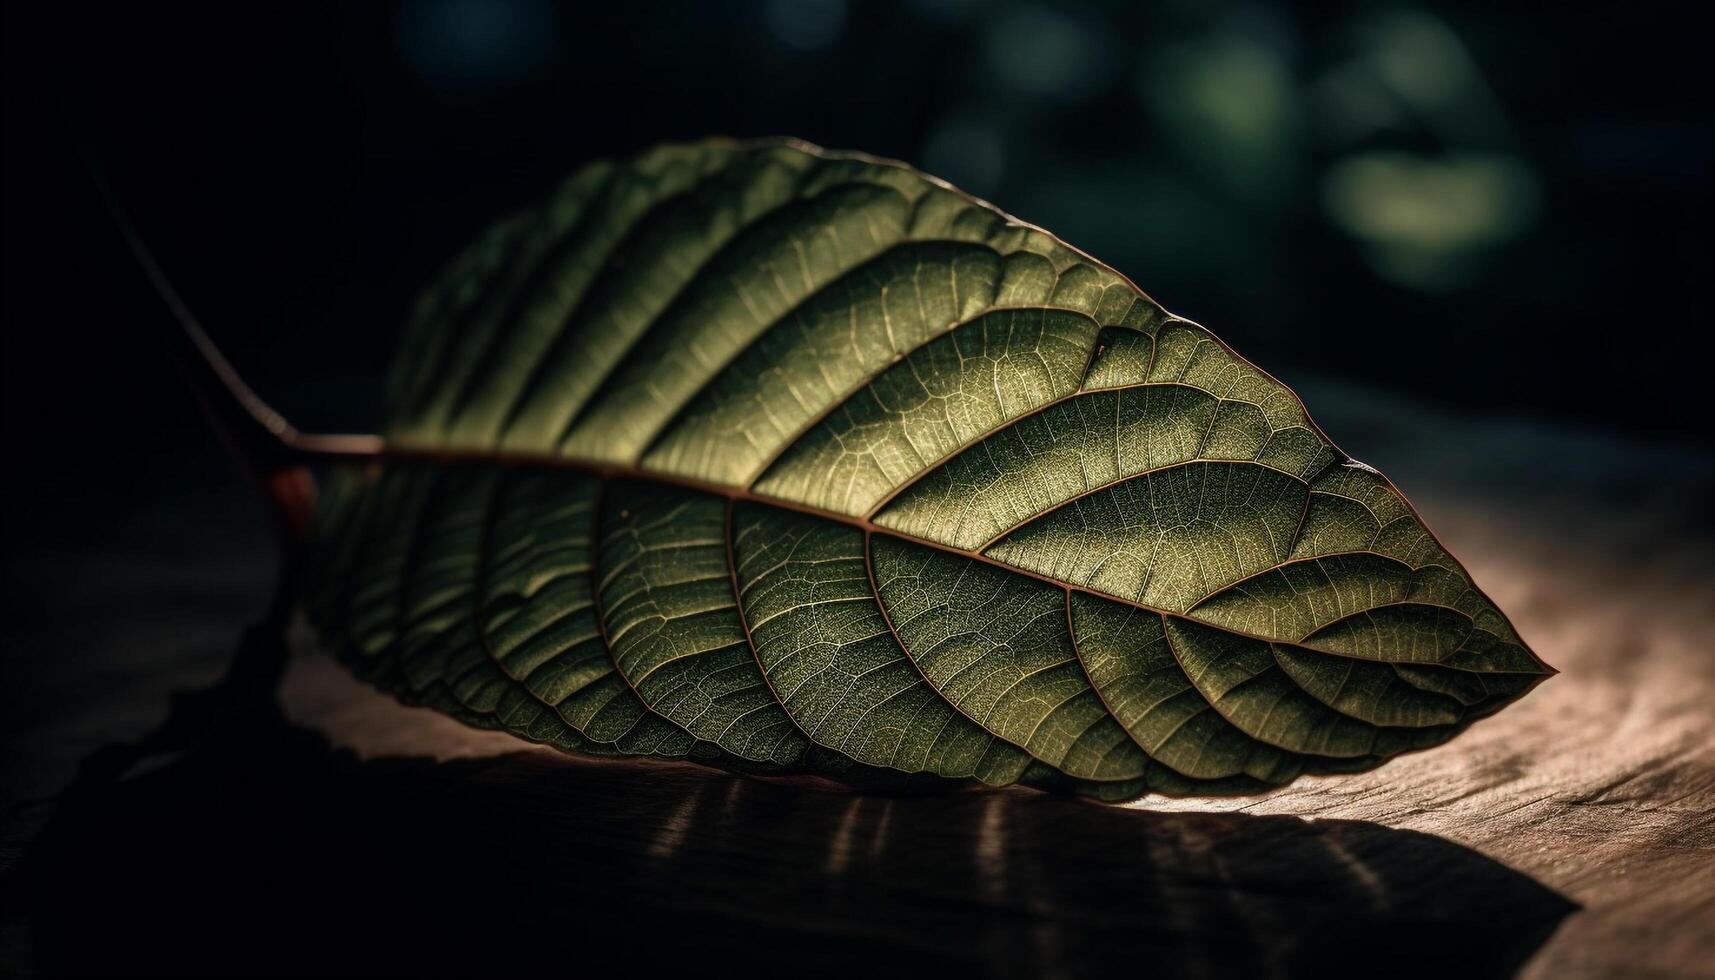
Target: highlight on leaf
791,461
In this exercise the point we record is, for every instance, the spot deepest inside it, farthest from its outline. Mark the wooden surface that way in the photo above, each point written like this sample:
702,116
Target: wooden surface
1571,835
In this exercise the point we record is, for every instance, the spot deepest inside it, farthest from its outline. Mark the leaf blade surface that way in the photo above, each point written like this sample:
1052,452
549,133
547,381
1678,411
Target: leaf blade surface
803,462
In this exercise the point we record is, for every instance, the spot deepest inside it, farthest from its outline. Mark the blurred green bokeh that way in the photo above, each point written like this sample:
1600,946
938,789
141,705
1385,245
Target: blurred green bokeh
1386,122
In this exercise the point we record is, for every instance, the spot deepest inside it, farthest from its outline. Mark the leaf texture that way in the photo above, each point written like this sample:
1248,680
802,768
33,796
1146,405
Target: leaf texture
800,462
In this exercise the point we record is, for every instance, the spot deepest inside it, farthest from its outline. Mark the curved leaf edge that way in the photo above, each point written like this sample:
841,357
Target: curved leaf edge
859,774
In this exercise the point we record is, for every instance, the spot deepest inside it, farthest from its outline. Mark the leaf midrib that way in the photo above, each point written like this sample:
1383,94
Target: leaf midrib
608,473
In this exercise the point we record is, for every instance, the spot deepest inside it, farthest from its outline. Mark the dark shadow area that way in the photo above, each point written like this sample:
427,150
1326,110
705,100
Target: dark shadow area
266,850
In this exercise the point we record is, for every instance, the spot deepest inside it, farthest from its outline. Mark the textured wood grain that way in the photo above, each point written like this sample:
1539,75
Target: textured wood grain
1603,785
1600,786
1569,836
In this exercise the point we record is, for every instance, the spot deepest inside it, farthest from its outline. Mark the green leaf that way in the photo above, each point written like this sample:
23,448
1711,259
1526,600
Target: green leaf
795,461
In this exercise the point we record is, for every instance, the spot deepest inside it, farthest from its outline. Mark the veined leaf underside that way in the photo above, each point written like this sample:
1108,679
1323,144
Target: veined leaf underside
799,462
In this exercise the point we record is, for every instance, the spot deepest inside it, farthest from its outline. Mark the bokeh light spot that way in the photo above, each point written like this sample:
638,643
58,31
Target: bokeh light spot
1231,105
477,43
1046,53
1421,219
807,25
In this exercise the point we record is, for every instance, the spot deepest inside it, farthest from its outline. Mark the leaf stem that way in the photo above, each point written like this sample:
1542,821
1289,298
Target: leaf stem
272,454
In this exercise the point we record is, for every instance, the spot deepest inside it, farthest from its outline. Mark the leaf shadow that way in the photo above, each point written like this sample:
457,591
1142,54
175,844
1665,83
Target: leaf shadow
271,851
